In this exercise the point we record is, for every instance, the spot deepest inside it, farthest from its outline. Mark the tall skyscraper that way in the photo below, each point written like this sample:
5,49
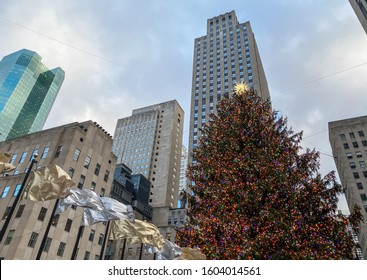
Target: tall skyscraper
348,139
83,150
226,55
360,8
28,90
149,142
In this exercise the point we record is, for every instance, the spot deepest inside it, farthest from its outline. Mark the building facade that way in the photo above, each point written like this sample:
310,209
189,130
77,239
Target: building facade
149,142
348,139
183,179
83,150
226,55
131,190
360,8
28,90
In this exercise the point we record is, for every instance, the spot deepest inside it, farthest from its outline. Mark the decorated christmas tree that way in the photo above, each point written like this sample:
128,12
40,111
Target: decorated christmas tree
256,194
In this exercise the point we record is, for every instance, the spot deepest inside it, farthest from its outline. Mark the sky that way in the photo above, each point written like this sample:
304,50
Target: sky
121,55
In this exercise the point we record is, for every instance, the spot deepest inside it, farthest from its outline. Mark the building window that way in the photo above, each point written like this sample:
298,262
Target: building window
351,135
24,155
47,246
45,152
5,191
68,225
349,155
13,158
352,165
355,175
107,173
91,234
362,164
71,172
360,186
364,143
363,197
58,151
93,186
35,152
42,214
87,162
9,237
361,133
60,251
365,174
130,251
76,154
17,189
86,255
359,154
101,239
102,191
20,211
346,146
81,181
32,241
55,219
6,213
355,144
98,168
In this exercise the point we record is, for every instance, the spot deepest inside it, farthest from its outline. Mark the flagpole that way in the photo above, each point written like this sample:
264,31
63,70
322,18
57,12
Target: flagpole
40,250
104,241
17,198
141,250
74,254
123,249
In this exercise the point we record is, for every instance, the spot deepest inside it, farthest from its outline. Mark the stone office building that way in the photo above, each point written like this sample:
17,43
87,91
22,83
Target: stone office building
83,150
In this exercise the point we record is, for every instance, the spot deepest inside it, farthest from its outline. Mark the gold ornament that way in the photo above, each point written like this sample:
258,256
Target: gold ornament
241,88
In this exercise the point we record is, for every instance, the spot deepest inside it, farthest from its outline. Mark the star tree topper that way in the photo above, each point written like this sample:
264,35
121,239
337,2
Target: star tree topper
241,88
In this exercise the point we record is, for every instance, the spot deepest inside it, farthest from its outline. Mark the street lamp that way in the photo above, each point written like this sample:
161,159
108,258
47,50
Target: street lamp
17,198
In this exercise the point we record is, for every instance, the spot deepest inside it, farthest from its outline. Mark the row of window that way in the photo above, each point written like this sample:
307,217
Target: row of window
7,188
353,165
355,144
33,239
61,249
219,51
25,153
358,154
175,221
356,175
352,135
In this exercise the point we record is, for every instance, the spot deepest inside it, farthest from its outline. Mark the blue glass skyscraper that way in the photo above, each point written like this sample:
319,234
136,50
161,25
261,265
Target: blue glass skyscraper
28,90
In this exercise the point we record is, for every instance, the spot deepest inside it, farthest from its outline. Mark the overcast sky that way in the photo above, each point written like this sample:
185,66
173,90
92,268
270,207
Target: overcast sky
120,55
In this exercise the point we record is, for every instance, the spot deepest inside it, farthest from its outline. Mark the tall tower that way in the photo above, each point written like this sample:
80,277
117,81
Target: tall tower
360,8
28,90
149,142
226,55
348,139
